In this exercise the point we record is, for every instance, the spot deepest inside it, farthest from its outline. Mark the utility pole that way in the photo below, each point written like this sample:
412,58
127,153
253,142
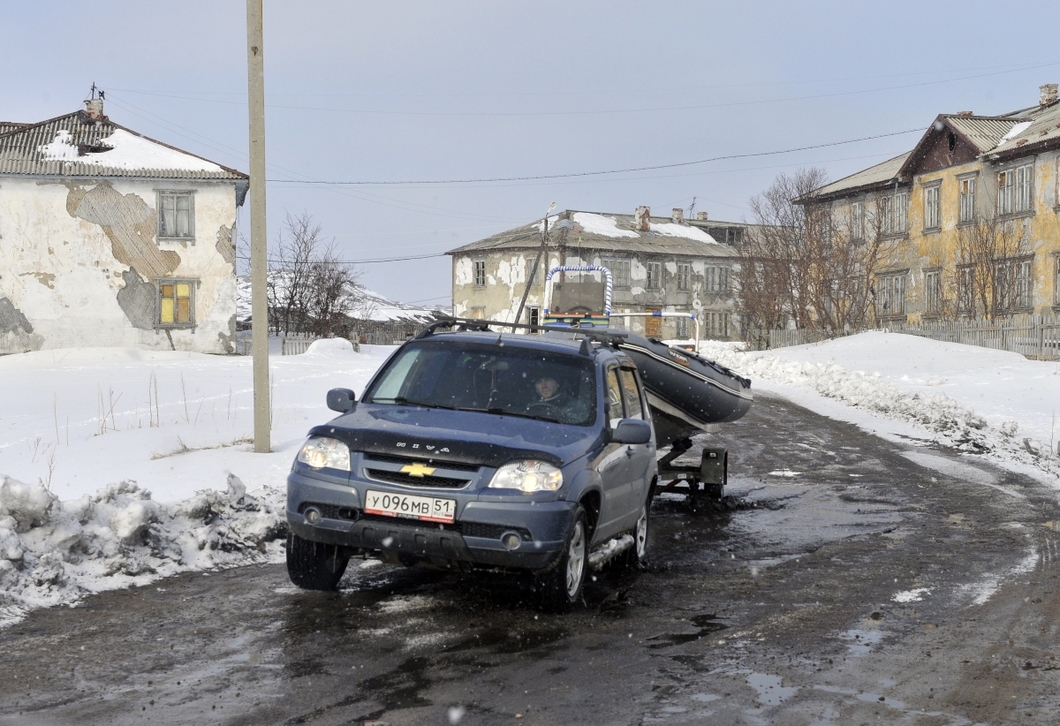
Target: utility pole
259,262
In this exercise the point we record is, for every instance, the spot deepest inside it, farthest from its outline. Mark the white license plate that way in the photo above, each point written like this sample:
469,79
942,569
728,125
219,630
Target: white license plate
428,509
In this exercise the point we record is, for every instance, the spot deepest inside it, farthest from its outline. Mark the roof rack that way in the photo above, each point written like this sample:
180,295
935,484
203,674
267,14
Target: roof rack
605,337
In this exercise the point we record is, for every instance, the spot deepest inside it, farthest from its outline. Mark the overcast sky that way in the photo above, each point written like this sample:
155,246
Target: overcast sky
444,91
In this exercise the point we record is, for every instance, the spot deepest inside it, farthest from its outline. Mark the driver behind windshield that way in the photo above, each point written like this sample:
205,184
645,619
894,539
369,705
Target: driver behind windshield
554,401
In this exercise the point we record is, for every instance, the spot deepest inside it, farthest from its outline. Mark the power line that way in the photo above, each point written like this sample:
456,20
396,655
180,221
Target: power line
376,261
573,175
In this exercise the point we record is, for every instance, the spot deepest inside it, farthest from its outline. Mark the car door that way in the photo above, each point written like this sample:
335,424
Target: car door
622,466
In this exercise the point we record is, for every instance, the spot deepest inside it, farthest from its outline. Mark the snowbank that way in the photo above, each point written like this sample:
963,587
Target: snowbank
54,553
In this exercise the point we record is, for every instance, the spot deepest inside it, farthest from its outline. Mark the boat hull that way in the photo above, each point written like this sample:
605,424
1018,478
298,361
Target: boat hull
686,392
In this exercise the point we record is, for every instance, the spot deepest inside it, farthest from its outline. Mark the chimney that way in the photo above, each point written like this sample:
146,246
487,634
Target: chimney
1047,94
642,219
94,109
701,216
678,215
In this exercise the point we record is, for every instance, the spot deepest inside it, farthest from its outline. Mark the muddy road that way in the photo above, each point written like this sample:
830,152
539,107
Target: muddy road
856,581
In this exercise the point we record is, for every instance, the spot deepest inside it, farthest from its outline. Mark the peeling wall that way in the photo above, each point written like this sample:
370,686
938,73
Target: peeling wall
80,261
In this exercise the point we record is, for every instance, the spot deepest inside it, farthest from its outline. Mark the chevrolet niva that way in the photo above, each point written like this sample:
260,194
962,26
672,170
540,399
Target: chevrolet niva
472,449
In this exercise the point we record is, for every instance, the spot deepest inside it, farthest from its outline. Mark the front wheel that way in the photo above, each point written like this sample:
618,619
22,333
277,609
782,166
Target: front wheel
560,587
637,555
313,565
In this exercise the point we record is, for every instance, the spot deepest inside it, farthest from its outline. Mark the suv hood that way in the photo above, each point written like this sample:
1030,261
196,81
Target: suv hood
464,437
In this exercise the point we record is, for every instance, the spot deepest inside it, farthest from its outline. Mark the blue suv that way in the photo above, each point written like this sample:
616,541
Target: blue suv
474,449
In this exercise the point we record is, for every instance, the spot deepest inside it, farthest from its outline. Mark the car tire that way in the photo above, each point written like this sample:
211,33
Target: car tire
314,565
636,556
560,587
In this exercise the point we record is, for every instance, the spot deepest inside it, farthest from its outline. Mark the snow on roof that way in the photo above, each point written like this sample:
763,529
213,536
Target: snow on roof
674,229
601,224
127,151
1015,131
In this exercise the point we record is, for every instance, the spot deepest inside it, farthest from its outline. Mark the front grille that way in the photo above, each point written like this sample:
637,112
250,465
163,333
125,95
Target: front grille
397,477
430,462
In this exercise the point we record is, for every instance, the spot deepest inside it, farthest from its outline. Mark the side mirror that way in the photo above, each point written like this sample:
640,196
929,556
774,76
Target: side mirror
632,431
341,399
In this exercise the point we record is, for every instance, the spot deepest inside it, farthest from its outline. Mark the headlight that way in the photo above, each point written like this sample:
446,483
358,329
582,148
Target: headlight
320,451
528,476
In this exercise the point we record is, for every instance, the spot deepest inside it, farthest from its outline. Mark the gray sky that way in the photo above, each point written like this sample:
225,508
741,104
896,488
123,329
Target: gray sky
435,90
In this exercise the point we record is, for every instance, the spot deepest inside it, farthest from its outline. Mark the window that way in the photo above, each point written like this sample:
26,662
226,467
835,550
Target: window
654,281
966,289
932,292
894,213
1014,284
717,279
681,328
892,295
684,276
1025,188
175,303
717,325
1056,281
534,315
967,196
176,215
932,212
614,398
857,221
480,273
634,408
478,312
1015,190
619,272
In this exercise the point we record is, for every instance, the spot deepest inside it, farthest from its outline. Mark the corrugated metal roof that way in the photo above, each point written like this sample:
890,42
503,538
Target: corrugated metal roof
23,151
882,173
984,132
7,127
528,237
1045,126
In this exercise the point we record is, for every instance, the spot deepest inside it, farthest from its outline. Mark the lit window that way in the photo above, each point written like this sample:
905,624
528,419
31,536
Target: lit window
176,215
175,303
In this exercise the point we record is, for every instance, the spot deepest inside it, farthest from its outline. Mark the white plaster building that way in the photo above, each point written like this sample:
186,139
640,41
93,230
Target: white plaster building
109,238
658,264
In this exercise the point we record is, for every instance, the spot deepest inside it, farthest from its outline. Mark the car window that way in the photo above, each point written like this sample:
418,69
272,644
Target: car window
614,397
490,378
634,409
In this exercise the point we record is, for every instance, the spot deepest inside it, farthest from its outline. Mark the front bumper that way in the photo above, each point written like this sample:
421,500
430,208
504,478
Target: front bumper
474,538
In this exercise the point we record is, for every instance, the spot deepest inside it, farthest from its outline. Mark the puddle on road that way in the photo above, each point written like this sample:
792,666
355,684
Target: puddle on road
861,642
706,625
769,690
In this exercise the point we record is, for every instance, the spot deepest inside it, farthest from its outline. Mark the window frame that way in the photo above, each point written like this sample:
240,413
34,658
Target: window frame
175,282
933,206
933,291
965,275
684,276
620,271
966,188
857,221
1015,190
478,273
891,288
653,278
161,195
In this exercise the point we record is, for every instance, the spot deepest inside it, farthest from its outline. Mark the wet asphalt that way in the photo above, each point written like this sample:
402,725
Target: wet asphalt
851,581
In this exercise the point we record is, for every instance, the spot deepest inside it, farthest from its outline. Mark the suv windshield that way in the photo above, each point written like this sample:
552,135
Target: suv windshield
491,378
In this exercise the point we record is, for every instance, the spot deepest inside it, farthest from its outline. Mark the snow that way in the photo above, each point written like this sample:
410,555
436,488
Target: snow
128,151
601,224
1014,132
121,466
979,401
682,230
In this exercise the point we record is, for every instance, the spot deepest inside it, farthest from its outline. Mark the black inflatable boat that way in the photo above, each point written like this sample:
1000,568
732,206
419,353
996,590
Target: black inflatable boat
686,392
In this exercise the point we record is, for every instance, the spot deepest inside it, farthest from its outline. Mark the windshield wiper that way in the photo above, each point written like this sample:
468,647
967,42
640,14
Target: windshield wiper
425,404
